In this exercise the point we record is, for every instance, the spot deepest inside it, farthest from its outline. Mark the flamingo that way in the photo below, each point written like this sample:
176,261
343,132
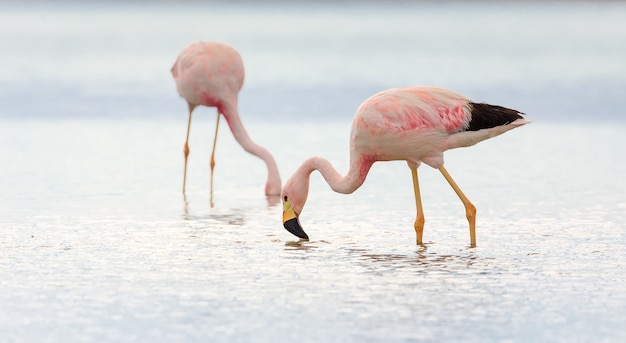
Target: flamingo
211,74
414,124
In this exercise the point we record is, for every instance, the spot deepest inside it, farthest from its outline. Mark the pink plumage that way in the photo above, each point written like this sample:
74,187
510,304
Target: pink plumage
413,108
414,124
212,74
209,74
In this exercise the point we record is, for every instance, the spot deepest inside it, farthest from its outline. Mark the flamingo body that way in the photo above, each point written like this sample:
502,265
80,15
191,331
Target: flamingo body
415,124
209,74
212,74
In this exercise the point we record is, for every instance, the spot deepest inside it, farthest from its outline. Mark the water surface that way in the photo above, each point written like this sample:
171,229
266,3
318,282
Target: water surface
98,244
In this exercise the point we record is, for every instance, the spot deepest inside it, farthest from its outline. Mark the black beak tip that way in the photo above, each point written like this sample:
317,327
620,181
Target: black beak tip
293,226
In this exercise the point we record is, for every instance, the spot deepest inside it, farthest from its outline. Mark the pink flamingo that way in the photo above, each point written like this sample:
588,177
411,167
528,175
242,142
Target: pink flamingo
211,74
415,124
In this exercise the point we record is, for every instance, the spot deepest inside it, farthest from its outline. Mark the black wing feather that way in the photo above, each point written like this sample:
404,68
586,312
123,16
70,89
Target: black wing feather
485,116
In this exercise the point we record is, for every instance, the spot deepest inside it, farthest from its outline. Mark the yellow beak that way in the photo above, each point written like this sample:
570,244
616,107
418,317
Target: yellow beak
291,222
288,212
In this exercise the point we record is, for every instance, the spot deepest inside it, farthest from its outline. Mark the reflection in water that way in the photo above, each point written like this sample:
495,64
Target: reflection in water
303,245
139,265
423,261
273,200
234,217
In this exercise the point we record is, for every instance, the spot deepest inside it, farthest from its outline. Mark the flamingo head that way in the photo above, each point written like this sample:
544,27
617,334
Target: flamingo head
294,196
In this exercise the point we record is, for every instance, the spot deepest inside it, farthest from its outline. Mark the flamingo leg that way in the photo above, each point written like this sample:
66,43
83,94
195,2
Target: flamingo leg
212,163
419,218
186,147
470,209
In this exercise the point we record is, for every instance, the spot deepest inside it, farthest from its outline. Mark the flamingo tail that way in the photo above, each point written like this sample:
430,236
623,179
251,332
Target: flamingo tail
485,116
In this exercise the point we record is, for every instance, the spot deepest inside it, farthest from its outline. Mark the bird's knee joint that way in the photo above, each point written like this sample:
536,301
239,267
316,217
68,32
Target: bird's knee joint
419,223
186,150
470,211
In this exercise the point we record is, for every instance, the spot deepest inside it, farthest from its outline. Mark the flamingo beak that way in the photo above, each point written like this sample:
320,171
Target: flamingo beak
291,222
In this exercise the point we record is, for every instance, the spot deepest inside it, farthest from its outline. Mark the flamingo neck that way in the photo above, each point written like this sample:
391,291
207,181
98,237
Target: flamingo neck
231,114
341,184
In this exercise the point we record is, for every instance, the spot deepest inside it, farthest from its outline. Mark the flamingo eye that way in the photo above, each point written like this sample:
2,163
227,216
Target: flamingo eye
285,198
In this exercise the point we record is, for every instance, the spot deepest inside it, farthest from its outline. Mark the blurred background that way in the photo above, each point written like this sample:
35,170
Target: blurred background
557,60
97,242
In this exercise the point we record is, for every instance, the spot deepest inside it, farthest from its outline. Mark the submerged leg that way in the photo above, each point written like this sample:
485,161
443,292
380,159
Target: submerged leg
212,163
186,147
419,217
470,209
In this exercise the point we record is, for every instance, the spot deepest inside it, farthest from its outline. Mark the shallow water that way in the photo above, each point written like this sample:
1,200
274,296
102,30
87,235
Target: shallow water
101,246
98,244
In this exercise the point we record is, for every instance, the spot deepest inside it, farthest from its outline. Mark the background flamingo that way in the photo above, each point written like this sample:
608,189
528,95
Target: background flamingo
211,74
416,124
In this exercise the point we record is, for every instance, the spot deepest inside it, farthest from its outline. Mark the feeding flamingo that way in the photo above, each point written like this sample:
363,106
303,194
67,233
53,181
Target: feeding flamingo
415,124
211,74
